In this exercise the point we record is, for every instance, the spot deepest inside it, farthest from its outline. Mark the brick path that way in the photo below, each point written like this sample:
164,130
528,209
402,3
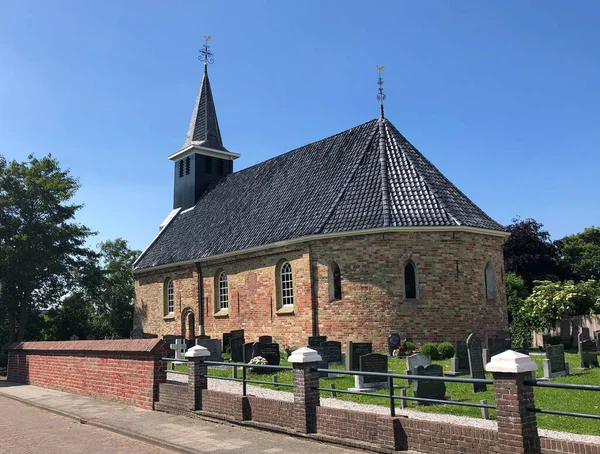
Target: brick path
175,433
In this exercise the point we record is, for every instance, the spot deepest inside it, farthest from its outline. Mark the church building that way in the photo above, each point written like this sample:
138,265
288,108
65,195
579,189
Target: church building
353,237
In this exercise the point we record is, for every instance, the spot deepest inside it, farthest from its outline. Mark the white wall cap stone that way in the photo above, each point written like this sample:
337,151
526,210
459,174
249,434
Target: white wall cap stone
304,355
197,351
511,362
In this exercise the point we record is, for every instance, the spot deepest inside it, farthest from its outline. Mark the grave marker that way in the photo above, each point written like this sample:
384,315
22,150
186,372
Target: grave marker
270,352
417,360
495,346
354,350
394,342
459,365
507,337
314,341
213,346
374,362
589,355
248,349
179,347
554,364
430,389
476,366
331,351
265,339
236,345
597,337
584,335
236,333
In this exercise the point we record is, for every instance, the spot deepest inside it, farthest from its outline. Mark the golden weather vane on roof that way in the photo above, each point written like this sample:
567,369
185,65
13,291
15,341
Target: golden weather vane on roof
380,93
206,55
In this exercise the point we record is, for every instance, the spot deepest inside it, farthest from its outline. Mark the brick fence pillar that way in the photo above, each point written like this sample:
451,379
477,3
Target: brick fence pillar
517,427
306,398
197,370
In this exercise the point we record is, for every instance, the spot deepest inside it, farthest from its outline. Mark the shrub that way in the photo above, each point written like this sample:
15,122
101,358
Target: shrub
446,350
409,346
430,350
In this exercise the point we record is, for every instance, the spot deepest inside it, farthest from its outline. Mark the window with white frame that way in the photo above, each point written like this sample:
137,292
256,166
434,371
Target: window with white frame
286,284
223,291
490,282
169,297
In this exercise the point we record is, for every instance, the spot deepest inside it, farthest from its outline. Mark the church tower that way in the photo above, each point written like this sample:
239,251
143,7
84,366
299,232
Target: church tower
203,158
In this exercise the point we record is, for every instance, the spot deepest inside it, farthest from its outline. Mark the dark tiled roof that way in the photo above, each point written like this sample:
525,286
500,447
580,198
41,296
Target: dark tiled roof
366,177
204,127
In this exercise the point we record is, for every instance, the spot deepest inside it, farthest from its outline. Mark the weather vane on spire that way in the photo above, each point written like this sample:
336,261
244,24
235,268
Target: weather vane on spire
380,93
206,55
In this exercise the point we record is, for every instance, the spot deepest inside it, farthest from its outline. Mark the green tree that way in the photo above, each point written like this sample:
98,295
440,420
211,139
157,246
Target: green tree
42,249
581,252
114,301
516,294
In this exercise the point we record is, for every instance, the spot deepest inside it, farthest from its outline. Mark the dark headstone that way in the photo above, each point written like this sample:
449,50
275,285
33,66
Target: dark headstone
429,389
394,342
556,361
354,351
331,351
313,341
502,334
248,351
237,349
136,333
565,331
584,335
213,346
476,365
526,345
374,362
495,346
462,354
589,355
597,338
270,352
236,333
265,339
226,338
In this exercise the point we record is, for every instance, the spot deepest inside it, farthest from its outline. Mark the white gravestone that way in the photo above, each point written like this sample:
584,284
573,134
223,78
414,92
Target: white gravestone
179,347
414,361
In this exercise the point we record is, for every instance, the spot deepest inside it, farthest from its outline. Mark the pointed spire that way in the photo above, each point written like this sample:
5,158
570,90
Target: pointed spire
380,93
204,126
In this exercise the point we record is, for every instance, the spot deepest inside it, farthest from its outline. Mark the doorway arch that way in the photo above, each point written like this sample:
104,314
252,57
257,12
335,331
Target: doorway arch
188,324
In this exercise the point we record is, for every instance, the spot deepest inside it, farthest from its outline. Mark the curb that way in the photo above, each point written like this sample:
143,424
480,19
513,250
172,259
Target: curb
126,433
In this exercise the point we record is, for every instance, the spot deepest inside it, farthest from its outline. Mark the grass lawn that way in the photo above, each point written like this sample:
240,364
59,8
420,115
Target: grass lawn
548,399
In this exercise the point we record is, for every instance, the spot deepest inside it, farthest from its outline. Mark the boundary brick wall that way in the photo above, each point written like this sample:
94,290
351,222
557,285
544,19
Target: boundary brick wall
128,371
450,267
271,411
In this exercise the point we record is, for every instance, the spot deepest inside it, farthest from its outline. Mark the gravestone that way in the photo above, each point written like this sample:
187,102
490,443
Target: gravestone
226,339
74,337
584,335
476,366
179,348
236,345
526,345
265,339
314,341
459,365
503,334
394,342
91,337
354,350
597,338
236,333
371,362
565,331
554,364
495,346
414,361
429,389
213,346
331,351
248,348
589,355
136,333
270,352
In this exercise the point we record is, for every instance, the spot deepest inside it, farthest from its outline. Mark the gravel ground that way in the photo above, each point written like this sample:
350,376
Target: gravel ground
236,388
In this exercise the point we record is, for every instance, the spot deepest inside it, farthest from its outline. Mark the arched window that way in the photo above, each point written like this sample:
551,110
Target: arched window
169,297
335,282
411,282
490,282
223,291
286,284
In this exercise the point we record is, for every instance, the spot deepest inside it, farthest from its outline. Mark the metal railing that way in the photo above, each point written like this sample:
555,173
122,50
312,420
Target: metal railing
572,386
244,378
389,378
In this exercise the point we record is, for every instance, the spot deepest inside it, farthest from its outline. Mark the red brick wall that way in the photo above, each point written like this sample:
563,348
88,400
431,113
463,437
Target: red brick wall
123,370
553,446
271,411
450,267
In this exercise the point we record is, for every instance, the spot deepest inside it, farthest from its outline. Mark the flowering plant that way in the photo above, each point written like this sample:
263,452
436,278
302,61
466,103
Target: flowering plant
259,360
288,350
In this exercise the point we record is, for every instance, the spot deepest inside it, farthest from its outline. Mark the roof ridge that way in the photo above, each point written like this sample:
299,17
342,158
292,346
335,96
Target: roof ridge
385,190
440,202
346,184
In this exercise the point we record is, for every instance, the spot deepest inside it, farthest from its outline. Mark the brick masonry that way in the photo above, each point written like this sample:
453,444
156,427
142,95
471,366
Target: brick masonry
451,304
124,370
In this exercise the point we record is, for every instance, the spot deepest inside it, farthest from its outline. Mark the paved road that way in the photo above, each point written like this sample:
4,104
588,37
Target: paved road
29,430
25,429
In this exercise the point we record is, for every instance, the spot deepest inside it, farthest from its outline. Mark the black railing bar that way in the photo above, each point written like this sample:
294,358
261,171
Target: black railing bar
409,377
246,365
563,413
175,359
419,399
546,384
290,385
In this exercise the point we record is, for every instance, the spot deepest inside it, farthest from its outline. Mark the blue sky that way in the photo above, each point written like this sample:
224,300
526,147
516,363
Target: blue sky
502,96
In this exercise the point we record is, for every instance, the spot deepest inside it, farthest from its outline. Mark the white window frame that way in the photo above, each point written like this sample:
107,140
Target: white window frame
170,297
223,291
286,285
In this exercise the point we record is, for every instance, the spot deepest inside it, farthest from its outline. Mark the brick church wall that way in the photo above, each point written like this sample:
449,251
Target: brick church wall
451,304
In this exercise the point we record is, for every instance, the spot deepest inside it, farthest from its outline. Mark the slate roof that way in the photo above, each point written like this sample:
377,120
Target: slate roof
367,177
204,127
